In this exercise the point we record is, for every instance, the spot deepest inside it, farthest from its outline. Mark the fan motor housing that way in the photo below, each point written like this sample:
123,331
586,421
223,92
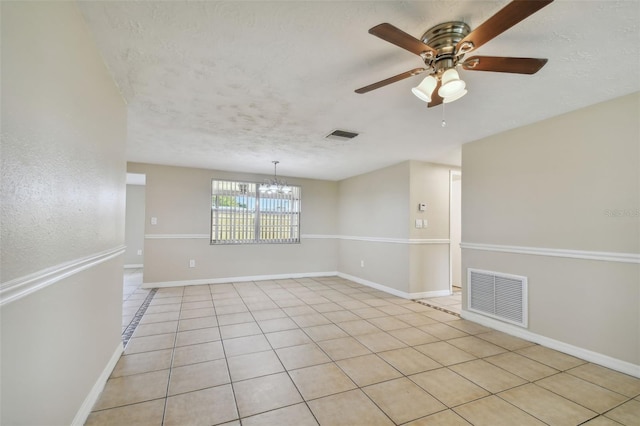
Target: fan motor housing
444,38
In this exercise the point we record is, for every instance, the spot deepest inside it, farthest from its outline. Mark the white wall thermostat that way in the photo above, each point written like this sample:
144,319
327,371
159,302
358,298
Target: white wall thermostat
422,207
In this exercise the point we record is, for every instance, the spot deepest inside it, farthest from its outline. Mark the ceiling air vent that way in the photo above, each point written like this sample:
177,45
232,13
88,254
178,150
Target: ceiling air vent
341,135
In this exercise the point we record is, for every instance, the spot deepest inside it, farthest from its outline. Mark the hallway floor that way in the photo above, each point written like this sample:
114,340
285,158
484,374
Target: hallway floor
332,352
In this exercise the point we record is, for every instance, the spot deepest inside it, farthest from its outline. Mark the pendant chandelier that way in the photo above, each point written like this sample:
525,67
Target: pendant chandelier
274,186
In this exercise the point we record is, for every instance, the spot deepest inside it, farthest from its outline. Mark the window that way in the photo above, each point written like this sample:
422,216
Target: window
241,214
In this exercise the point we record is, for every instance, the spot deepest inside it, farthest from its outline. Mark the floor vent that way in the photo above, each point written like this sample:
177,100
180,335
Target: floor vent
498,295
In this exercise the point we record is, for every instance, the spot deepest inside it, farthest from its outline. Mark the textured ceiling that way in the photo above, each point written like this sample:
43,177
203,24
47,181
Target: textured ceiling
234,85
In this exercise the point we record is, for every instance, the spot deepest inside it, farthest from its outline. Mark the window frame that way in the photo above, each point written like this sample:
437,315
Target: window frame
258,212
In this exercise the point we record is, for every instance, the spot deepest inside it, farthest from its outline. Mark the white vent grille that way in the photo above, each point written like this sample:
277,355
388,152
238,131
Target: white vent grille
498,295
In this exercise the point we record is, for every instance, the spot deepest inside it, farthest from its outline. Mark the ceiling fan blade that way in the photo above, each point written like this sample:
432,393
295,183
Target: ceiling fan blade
435,98
502,64
390,80
398,37
506,18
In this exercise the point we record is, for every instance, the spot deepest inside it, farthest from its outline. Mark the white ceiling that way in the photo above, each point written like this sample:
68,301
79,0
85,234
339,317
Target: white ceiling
235,85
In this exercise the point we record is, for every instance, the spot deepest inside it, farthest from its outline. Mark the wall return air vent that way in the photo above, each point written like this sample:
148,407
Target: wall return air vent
341,135
497,295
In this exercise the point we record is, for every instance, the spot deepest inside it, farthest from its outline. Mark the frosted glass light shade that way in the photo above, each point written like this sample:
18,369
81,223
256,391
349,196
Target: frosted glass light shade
424,90
451,84
455,97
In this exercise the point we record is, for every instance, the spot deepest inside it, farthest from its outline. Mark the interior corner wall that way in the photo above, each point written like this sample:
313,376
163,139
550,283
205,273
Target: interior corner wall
430,250
62,213
180,200
134,226
373,213
558,201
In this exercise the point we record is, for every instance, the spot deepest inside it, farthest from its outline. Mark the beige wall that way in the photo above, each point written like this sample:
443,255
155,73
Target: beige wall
180,199
554,185
134,225
377,213
63,192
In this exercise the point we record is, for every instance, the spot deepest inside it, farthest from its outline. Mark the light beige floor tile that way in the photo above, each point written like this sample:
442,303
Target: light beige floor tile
409,361
193,337
340,316
235,318
293,415
197,289
348,409
368,312
379,342
442,316
478,347
413,336
449,387
150,343
277,324
585,393
131,389
204,407
282,339
550,357
328,307
197,353
310,320
443,418
196,323
547,406
261,306
197,313
197,305
155,328
231,309
627,413
300,309
468,326
196,297
368,369
493,411
607,378
442,331
325,332
302,356
321,380
444,353
246,345
269,314
601,421
504,340
257,364
239,330
142,363
353,305
148,318
346,347
521,366
388,323
165,301
394,310
358,327
145,413
487,375
265,393
416,319
198,376
402,400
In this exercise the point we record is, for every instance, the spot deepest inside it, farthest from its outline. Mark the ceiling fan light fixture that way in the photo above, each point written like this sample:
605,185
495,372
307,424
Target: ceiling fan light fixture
424,90
451,84
455,97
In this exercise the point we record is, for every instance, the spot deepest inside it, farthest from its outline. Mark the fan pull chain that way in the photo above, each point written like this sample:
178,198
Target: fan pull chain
444,123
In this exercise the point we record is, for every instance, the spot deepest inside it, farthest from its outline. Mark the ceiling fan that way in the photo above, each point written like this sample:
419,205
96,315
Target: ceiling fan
442,48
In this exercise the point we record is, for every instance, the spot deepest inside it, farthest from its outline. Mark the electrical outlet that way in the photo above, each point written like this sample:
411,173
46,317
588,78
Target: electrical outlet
362,263
192,263
154,220
139,252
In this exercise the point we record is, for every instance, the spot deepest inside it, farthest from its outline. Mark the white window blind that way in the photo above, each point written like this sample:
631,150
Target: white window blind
241,214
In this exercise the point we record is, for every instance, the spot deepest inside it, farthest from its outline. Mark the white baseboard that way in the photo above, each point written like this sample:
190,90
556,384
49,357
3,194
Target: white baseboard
134,266
394,291
96,390
595,357
183,283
